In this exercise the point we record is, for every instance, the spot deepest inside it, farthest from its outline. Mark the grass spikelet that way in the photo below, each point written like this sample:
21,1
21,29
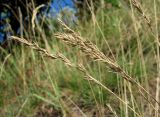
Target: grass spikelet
91,50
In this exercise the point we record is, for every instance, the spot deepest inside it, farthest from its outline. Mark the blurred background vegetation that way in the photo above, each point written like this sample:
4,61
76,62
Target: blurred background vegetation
11,11
34,85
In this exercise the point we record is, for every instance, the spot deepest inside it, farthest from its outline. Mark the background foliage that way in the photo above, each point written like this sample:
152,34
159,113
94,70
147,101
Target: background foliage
81,70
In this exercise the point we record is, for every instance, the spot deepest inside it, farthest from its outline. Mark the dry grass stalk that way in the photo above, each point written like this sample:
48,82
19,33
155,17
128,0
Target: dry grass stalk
91,50
35,11
137,5
80,67
43,51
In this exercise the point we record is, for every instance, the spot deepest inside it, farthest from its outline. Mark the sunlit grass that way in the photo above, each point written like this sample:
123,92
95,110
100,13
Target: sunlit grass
30,80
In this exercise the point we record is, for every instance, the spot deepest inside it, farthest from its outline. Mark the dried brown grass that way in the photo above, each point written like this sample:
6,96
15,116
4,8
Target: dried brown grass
66,61
88,48
74,39
92,51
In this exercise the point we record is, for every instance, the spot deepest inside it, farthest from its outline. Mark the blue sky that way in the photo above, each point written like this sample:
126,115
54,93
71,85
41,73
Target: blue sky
59,4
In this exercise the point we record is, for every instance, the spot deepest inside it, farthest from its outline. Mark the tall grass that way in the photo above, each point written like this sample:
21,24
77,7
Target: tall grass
108,66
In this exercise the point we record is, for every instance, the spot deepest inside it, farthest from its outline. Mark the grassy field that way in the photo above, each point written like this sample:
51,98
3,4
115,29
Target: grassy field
108,66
